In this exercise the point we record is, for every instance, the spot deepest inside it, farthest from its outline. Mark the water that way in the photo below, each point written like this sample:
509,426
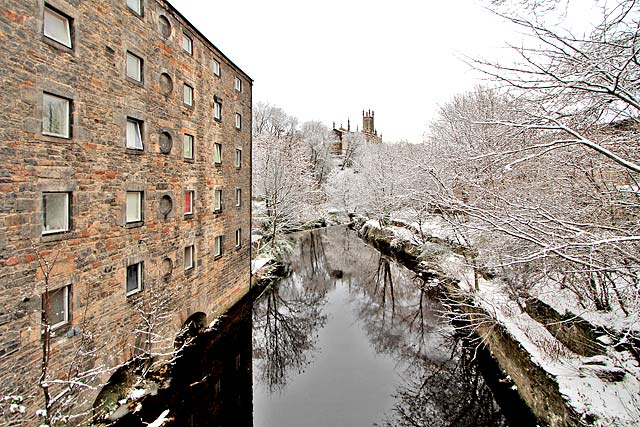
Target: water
348,339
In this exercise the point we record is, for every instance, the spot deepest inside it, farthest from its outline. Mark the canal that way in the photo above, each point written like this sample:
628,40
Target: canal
348,338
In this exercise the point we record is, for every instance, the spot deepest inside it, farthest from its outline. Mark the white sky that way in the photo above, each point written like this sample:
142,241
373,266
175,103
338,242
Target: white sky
330,60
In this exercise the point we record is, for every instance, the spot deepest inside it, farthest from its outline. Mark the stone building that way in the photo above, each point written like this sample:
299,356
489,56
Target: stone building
125,143
346,138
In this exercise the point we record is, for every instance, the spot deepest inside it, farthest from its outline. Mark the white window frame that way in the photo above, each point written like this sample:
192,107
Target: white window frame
67,116
66,293
192,251
238,84
138,133
187,90
217,110
217,200
140,277
140,199
238,160
238,121
217,246
238,197
187,43
66,213
54,14
188,140
188,211
217,153
136,7
135,73
238,237
215,67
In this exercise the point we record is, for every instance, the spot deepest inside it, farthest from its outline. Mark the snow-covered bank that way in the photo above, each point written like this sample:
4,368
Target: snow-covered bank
562,387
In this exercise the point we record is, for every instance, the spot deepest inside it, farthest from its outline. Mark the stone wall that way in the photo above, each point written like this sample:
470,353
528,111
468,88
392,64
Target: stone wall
97,169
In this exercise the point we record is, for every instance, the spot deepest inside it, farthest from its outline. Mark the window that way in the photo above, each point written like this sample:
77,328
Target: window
215,67
217,202
238,158
217,109
238,121
217,246
188,146
57,26
188,202
136,6
238,84
187,44
56,306
55,212
217,153
238,197
134,67
134,134
56,116
134,206
187,95
165,26
188,257
134,278
238,237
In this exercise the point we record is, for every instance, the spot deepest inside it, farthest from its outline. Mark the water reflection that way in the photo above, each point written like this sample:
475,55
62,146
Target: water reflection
346,304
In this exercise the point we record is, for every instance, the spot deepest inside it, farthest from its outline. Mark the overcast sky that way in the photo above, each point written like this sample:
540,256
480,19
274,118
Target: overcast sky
330,60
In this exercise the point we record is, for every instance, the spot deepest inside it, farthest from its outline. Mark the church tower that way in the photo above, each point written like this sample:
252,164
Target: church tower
367,122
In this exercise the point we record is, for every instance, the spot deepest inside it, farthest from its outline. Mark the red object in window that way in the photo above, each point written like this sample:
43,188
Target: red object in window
188,202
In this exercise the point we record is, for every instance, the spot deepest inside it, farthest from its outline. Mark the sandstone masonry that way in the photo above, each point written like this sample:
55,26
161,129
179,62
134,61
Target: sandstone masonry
99,99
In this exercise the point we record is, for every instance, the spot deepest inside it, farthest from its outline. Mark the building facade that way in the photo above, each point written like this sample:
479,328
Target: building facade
346,140
125,189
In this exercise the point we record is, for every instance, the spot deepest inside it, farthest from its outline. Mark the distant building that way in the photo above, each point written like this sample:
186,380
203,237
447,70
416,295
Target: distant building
125,143
345,138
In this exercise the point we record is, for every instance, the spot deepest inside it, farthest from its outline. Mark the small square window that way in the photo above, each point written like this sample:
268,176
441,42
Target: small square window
187,95
238,121
188,146
217,110
188,202
134,206
136,6
134,67
55,304
217,249
134,134
238,197
56,116
238,84
57,26
187,44
238,158
238,237
215,67
217,201
134,278
217,153
188,257
55,212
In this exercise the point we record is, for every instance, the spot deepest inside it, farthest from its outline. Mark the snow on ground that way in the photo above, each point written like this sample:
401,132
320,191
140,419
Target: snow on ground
258,263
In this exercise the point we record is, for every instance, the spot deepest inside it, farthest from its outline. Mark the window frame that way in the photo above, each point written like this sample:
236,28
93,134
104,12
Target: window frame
139,277
217,200
192,250
68,116
237,84
140,12
238,197
238,121
67,214
66,292
238,159
68,24
218,243
186,37
191,203
238,237
216,67
217,110
140,208
140,68
191,139
139,129
217,153
192,94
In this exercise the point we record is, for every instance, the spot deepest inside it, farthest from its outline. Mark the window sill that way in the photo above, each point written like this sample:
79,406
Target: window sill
217,257
134,292
217,211
188,160
54,138
135,224
189,271
57,45
136,14
188,107
218,165
56,237
135,151
188,216
134,81
218,119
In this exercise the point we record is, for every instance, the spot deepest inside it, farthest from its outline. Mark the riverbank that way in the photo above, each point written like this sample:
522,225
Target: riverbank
560,364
